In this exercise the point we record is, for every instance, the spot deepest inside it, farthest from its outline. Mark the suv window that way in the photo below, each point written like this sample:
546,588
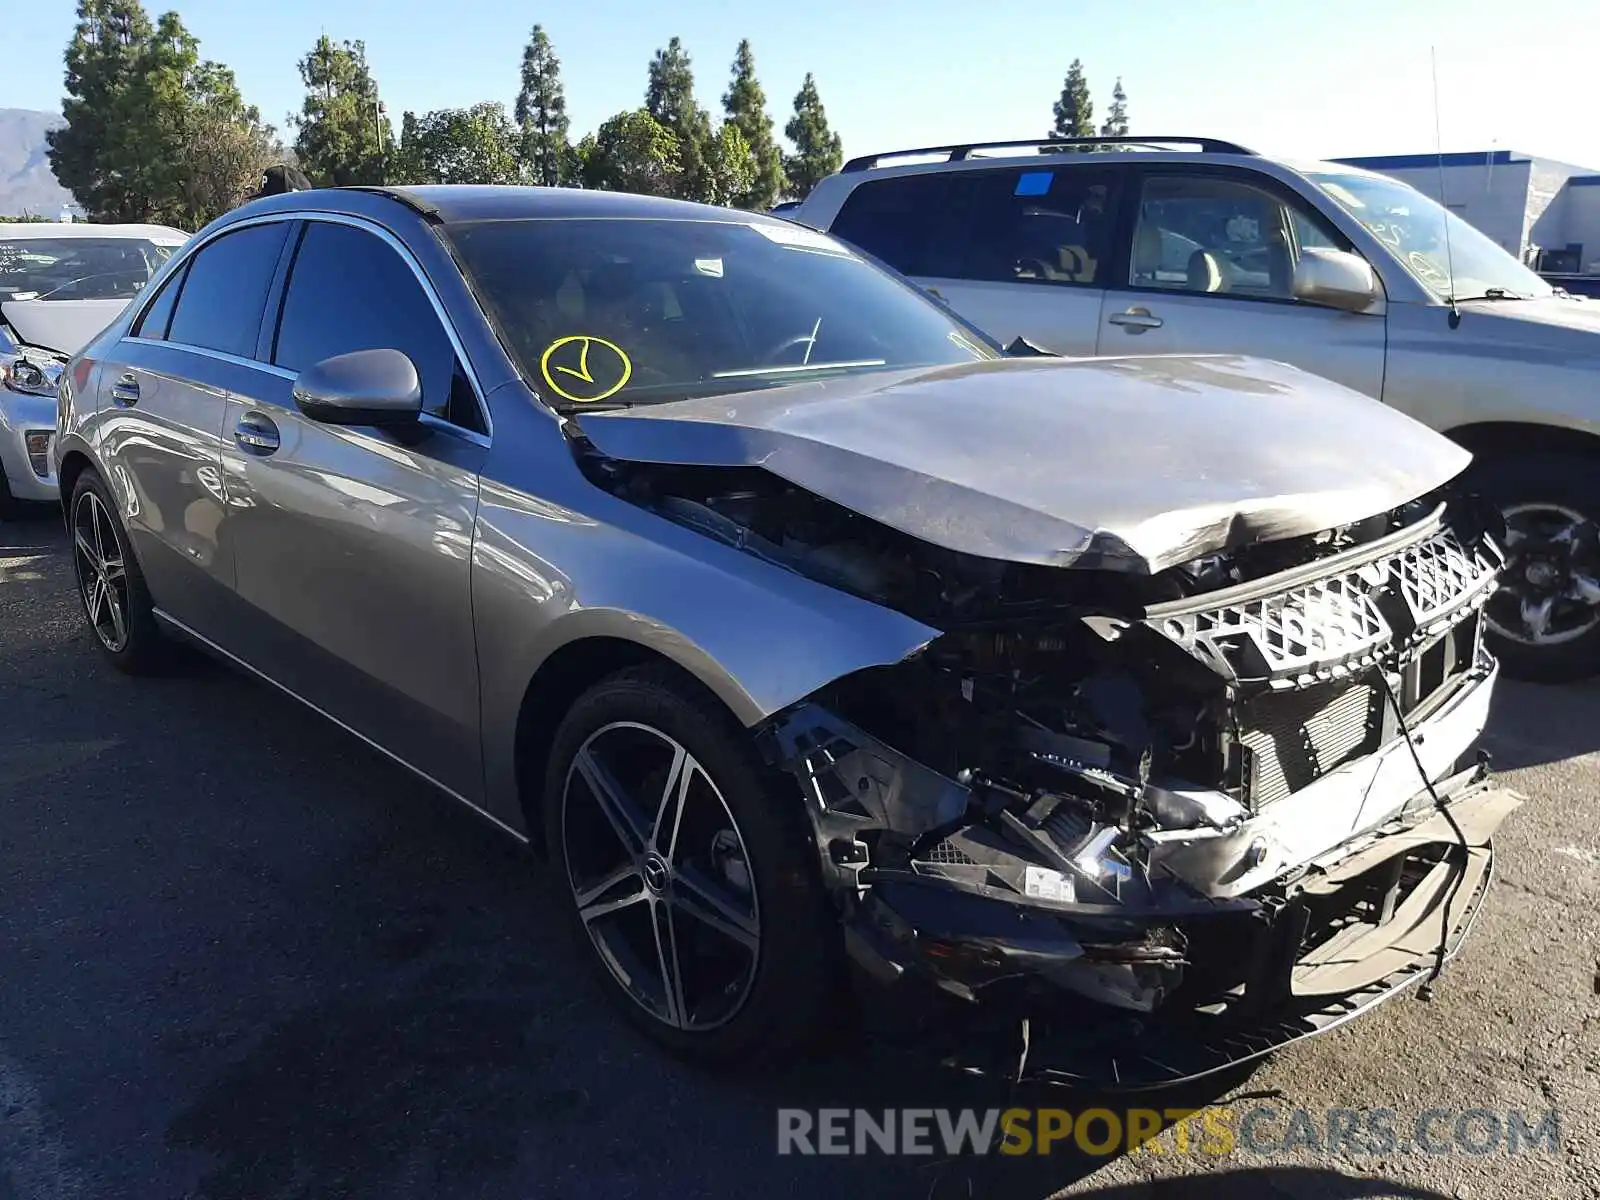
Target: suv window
894,219
348,291
225,290
1044,224
1210,234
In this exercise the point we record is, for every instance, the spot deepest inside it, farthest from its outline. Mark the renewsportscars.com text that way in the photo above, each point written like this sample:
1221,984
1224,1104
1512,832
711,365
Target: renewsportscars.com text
1220,1131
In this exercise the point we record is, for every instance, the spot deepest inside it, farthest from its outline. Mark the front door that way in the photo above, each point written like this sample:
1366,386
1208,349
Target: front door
353,545
1210,271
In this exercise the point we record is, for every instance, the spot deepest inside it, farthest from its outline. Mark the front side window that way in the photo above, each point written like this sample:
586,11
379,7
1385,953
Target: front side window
1462,262
78,268
642,311
350,291
1210,234
225,290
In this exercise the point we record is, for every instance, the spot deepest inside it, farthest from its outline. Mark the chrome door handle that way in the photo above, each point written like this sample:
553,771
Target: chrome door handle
125,391
1135,320
256,434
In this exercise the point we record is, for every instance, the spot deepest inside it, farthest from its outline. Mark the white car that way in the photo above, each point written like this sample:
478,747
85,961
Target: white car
1082,250
59,286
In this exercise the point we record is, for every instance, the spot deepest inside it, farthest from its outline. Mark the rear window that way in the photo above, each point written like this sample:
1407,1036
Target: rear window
633,311
78,268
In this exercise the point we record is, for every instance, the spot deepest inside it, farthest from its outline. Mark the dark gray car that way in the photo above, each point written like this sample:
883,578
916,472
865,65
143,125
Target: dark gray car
805,630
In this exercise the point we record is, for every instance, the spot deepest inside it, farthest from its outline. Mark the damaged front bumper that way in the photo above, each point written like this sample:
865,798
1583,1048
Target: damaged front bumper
1230,939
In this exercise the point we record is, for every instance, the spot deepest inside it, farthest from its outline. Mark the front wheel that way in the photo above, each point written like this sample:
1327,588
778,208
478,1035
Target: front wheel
1544,622
110,585
691,878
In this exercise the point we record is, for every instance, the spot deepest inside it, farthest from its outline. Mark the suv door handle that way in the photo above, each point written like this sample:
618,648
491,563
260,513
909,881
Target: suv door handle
1135,320
256,434
125,391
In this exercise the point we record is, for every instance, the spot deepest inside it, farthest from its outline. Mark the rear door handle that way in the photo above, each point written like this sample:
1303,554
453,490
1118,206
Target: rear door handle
125,391
1135,320
256,434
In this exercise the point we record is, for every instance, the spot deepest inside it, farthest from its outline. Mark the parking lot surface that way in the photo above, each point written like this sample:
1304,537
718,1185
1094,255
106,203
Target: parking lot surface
242,956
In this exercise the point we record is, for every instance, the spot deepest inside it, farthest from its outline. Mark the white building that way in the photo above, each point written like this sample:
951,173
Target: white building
1545,212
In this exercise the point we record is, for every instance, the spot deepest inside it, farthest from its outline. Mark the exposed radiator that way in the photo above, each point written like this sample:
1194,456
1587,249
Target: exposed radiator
1292,738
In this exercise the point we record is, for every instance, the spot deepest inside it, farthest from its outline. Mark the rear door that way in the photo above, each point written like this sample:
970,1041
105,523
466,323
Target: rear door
163,400
353,544
1018,251
1208,265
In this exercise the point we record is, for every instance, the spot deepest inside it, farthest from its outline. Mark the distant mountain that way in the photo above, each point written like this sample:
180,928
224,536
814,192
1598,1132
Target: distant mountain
27,184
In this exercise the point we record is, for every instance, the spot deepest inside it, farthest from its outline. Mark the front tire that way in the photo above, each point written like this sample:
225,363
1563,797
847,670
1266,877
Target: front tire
692,880
111,587
1544,622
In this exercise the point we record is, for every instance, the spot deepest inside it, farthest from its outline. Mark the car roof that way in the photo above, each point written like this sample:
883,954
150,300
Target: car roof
458,203
25,230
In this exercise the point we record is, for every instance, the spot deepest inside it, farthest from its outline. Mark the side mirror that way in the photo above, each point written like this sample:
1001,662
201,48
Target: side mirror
364,387
1335,278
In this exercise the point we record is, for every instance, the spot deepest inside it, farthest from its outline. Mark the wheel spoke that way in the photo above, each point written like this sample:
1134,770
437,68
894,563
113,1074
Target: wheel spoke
1585,589
589,895
99,537
669,811
608,794
700,899
88,551
96,593
604,908
114,607
667,959
1536,617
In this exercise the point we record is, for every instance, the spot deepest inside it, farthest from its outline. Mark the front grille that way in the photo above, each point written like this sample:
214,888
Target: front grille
1340,624
1292,738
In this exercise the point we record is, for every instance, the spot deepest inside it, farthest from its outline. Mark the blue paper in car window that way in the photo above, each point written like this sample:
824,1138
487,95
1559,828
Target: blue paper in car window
1033,183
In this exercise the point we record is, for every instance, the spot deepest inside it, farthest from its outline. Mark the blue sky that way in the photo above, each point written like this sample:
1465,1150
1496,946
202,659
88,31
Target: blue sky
1311,78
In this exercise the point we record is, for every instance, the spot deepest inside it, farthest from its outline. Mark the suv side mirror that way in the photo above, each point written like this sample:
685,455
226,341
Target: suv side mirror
1334,278
364,387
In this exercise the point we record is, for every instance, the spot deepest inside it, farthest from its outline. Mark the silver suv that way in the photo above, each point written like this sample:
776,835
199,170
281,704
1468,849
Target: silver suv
1200,246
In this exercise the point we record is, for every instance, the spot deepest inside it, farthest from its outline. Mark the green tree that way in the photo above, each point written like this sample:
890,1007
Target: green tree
341,131
669,98
1074,111
541,113
818,151
632,152
1116,122
459,145
731,167
745,107
224,146
96,154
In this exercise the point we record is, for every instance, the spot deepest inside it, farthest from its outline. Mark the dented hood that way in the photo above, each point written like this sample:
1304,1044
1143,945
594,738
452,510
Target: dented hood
1132,464
66,326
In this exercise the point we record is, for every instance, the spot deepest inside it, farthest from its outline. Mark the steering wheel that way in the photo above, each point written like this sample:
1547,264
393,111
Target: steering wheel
1031,266
771,357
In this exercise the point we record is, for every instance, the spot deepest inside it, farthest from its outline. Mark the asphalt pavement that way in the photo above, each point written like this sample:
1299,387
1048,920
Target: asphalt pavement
242,957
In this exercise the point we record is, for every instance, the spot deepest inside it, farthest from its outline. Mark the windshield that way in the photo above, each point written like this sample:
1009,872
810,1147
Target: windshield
77,268
1413,226
634,311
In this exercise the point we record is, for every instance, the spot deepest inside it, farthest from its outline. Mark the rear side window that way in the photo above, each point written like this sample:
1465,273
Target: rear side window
220,305
348,291
1044,224
894,219
159,315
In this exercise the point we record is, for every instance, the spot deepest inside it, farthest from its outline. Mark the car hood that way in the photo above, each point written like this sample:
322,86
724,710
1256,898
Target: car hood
63,325
1551,317
1131,464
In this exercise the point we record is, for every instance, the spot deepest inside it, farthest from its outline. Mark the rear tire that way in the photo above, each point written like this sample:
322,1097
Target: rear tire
754,982
111,587
1544,623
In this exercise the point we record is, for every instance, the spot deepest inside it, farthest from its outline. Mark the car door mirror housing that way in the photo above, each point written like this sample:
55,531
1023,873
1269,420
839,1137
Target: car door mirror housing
364,387
1336,279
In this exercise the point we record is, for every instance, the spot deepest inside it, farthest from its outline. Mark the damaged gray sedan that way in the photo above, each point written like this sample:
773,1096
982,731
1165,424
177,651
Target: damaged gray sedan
1125,702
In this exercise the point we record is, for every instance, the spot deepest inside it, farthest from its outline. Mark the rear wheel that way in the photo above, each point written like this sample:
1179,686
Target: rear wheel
110,585
693,882
1544,622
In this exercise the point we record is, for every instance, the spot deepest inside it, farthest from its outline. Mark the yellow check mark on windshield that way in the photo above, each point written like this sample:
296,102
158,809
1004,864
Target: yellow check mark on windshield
583,366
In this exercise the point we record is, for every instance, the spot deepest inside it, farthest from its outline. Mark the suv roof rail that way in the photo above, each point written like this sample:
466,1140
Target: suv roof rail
962,151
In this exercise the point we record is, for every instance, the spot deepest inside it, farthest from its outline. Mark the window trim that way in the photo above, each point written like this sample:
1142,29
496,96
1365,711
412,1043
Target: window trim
1259,181
278,289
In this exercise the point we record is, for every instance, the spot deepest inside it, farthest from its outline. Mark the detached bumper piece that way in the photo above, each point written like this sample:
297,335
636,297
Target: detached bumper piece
1199,991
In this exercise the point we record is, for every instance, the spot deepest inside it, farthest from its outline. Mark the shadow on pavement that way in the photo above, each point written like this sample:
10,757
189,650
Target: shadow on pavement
1303,1183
